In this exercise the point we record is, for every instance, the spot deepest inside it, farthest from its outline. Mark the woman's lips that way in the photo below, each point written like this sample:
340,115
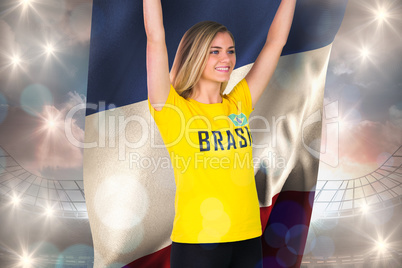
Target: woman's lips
223,69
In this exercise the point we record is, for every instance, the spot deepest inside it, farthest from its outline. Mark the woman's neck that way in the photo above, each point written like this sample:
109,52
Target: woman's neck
207,92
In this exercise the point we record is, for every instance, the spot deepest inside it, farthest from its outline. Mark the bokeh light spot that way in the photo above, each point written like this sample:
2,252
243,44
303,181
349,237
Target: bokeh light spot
269,262
211,208
208,234
74,252
122,241
34,97
121,202
44,248
285,258
275,234
295,238
310,242
324,247
287,211
215,228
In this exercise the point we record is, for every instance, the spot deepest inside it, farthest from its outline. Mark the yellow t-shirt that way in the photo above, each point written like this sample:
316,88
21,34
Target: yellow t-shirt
210,147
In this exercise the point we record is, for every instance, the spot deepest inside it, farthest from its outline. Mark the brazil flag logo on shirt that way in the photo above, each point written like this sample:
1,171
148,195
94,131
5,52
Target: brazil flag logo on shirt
238,120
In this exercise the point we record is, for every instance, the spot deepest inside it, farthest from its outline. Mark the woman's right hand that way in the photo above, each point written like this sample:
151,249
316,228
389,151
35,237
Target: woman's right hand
157,58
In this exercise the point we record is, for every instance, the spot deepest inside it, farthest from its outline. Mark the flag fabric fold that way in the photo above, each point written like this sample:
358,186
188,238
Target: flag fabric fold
128,179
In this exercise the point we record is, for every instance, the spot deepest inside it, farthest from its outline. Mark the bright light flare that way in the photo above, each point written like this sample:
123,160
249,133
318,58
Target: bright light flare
381,246
49,212
365,209
15,60
364,53
381,15
26,261
51,121
49,49
383,18
16,63
15,200
50,124
26,3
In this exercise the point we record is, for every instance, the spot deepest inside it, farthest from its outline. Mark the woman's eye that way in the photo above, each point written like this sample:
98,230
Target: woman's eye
214,52
231,52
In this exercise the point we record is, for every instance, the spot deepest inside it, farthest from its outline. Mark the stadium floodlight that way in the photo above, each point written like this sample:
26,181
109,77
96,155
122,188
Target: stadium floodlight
365,208
381,15
49,212
381,246
51,120
49,49
364,53
50,124
25,2
26,261
15,200
15,60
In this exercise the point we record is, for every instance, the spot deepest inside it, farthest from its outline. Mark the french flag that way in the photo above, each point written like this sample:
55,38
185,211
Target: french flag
128,178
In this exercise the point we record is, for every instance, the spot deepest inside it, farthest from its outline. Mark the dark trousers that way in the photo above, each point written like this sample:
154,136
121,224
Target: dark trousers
239,254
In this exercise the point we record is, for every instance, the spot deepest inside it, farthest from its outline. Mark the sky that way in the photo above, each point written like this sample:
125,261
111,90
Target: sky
44,53
364,77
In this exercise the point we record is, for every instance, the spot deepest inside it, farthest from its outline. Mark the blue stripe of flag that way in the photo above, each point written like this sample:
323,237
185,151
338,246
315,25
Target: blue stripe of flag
117,71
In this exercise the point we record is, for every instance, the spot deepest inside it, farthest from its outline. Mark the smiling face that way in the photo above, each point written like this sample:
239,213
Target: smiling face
221,59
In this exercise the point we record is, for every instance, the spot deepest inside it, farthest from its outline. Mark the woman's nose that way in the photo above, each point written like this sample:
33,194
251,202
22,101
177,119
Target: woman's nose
224,57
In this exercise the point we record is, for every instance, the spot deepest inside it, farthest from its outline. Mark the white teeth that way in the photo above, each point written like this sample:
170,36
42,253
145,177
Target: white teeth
223,68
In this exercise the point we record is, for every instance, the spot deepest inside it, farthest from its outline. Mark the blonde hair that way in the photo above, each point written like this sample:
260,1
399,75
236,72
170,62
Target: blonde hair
192,55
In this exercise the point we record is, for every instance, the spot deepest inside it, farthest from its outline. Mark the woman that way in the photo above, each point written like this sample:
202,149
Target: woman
217,221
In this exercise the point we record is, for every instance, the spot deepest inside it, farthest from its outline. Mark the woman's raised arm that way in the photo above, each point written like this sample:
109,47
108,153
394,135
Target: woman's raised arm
265,64
157,58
